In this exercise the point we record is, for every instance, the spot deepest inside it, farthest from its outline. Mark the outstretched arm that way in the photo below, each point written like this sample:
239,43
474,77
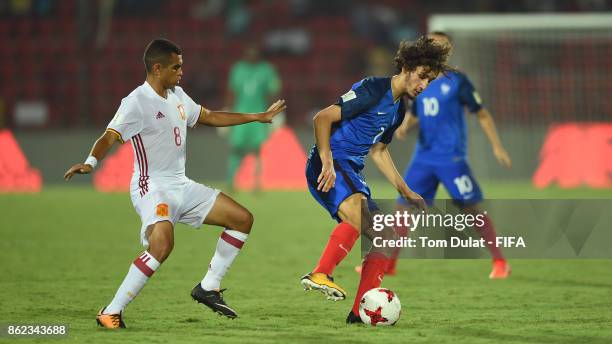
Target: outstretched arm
98,152
382,158
226,119
488,126
323,121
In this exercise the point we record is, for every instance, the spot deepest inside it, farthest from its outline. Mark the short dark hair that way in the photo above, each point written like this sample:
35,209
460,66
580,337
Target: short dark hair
159,50
422,52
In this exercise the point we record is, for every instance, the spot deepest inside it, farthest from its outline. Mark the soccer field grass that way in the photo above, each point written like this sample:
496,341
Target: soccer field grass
65,251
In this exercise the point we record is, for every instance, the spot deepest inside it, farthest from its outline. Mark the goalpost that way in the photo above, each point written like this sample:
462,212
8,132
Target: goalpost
534,70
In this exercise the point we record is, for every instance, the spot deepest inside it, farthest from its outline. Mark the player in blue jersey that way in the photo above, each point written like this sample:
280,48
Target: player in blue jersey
441,151
363,121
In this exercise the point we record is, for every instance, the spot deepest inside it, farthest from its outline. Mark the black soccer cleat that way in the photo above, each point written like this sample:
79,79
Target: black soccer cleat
353,319
214,300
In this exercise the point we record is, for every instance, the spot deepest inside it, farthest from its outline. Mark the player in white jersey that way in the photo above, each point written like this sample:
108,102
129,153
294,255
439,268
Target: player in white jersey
155,116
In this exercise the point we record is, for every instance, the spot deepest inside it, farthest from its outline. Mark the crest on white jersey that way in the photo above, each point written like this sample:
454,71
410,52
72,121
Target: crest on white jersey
348,96
445,88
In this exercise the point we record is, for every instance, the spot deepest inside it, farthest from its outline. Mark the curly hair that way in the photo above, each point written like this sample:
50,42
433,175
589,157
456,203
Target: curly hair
422,52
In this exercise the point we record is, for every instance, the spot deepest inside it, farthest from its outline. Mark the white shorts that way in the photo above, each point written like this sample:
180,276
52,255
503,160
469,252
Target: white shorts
186,202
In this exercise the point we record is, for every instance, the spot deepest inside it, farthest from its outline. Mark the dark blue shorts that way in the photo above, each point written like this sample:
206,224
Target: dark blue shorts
348,181
423,178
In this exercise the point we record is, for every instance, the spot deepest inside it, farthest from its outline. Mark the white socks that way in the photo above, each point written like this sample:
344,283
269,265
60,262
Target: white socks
141,269
144,266
228,246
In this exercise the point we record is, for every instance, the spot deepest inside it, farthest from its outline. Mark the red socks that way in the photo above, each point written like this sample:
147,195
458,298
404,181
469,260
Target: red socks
402,232
372,273
487,232
340,243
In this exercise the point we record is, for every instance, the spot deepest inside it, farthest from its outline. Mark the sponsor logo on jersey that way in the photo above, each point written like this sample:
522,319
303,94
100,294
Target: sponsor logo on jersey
160,115
162,209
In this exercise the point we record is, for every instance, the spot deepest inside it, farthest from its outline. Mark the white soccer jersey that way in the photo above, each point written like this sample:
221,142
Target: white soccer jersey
157,128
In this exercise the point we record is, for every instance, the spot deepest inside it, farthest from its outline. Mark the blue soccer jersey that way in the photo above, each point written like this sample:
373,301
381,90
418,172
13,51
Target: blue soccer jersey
441,152
369,115
442,125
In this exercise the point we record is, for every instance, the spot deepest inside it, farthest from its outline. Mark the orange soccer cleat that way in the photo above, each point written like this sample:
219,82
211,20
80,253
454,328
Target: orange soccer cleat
109,320
501,269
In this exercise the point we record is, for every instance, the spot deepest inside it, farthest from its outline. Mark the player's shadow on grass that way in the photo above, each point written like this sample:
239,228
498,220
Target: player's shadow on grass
544,338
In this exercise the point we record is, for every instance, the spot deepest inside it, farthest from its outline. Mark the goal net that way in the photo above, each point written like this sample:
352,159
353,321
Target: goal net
537,74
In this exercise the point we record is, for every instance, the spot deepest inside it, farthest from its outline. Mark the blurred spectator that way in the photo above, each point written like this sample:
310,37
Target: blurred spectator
299,8
43,7
378,59
325,7
105,18
300,34
253,84
383,24
238,16
207,9
291,41
138,7
21,7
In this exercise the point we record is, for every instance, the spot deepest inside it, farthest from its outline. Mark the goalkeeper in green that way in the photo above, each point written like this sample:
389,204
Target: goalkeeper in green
252,83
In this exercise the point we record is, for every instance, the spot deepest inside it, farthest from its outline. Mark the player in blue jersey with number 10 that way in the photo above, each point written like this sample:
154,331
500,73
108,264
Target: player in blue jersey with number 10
441,152
363,121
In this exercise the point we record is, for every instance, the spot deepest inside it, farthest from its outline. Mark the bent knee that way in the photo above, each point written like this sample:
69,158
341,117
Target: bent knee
161,240
161,249
244,222
166,248
247,219
352,217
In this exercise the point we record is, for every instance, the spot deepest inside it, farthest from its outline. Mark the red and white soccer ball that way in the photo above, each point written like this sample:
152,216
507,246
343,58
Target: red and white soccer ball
380,307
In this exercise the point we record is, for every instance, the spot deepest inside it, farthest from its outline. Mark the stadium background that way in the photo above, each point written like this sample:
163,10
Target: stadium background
65,65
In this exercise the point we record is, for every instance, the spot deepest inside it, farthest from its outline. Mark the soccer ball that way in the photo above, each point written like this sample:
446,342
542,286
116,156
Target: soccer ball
380,307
